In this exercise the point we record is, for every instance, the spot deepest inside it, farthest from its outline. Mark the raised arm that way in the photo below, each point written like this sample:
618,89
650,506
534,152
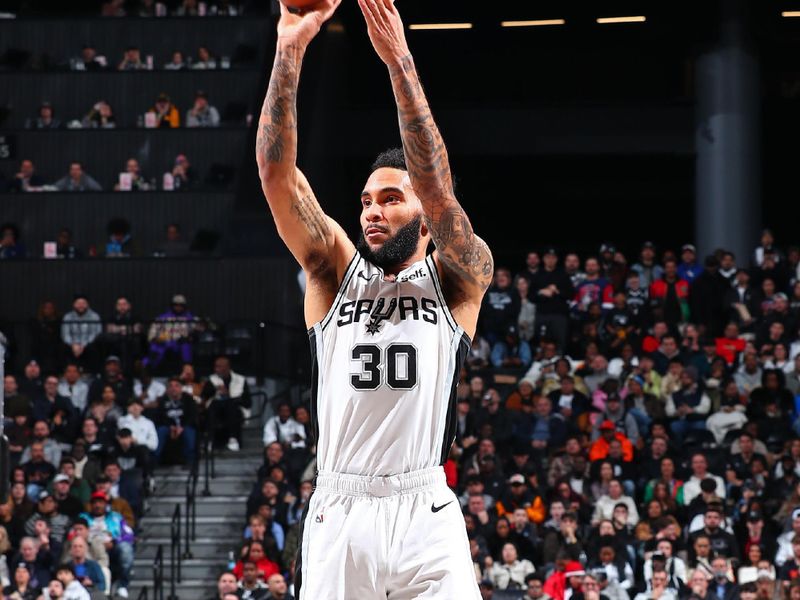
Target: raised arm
464,256
309,234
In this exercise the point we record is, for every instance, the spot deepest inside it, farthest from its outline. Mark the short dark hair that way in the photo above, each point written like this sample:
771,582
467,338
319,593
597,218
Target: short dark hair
392,158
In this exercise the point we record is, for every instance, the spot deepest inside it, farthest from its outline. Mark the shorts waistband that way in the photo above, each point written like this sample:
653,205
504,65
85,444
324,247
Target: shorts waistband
380,486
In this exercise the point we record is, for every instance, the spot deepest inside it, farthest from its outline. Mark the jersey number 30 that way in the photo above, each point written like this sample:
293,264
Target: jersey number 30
400,367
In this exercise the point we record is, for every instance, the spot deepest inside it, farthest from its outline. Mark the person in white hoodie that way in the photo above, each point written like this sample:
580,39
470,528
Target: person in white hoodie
143,429
65,586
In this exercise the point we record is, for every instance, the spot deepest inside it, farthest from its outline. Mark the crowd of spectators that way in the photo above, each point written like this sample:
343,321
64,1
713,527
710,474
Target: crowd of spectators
87,420
162,114
626,430
119,242
179,176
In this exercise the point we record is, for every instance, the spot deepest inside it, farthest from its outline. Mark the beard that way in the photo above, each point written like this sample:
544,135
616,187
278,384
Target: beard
396,249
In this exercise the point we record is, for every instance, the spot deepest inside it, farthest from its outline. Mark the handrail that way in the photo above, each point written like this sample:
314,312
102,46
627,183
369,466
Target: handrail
158,574
208,455
175,551
191,508
143,594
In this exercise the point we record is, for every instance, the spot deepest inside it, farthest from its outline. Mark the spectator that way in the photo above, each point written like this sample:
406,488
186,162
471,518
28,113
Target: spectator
79,329
606,505
173,246
114,378
142,429
669,297
45,120
117,536
202,114
176,419
10,244
166,113
500,307
71,386
177,63
689,406
277,587
23,586
67,585
511,572
26,180
185,176
171,332
88,60
230,396
226,585
131,60
647,268
123,334
77,180
204,59
138,181
511,352
254,552
552,289
87,571
120,242
689,269
101,116
251,587
113,8
65,246
188,8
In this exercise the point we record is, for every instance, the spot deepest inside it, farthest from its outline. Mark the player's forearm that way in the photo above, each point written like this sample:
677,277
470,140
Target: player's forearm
426,155
276,144
462,252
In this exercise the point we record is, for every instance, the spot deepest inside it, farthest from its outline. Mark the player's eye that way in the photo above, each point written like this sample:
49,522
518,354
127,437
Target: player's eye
392,199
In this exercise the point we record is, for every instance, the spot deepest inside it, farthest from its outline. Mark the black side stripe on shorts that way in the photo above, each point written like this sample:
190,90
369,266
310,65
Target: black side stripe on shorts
451,422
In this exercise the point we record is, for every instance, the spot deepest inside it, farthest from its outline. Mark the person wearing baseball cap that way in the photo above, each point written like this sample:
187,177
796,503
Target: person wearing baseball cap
171,331
518,495
647,268
688,269
552,288
608,432
67,503
114,531
114,377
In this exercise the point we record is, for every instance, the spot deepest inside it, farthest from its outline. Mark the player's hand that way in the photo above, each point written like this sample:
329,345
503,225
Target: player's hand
385,29
302,28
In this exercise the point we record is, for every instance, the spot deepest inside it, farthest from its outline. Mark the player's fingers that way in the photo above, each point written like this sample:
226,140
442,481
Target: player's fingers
374,11
366,12
380,12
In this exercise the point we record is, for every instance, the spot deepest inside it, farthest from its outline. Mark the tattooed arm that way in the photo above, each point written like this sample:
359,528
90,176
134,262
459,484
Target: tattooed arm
464,257
310,235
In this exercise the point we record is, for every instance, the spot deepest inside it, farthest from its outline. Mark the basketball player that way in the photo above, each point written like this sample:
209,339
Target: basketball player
389,330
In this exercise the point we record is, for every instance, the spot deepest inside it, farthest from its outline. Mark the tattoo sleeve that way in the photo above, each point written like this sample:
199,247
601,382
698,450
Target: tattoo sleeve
276,148
462,252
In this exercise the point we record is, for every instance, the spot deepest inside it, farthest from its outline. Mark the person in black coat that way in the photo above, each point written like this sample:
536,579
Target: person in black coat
176,419
707,297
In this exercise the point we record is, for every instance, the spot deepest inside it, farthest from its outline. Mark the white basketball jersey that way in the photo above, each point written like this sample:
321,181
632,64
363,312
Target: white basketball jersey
386,363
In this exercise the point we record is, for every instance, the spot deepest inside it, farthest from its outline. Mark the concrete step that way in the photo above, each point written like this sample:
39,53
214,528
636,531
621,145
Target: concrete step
203,569
207,526
206,506
205,547
218,486
187,589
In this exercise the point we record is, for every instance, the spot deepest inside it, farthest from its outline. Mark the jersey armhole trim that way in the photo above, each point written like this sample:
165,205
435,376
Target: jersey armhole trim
437,286
348,275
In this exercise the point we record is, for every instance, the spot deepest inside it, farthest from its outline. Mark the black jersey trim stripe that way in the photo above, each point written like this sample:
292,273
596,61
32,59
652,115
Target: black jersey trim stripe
348,275
298,561
435,277
451,422
313,413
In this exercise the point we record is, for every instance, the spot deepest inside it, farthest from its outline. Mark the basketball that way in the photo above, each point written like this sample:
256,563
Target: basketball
299,5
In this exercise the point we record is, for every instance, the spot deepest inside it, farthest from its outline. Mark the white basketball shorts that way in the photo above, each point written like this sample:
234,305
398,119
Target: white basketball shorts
376,538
